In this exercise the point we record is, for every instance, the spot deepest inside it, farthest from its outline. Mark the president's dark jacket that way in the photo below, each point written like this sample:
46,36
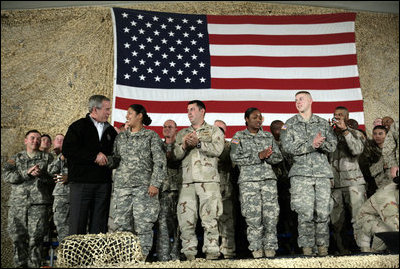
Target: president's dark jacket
81,146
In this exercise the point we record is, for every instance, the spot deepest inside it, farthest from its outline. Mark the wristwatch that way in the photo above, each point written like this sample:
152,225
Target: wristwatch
198,145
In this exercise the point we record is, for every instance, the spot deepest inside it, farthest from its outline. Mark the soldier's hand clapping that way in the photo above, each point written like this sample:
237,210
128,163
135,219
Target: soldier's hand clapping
265,153
318,140
34,170
190,140
152,191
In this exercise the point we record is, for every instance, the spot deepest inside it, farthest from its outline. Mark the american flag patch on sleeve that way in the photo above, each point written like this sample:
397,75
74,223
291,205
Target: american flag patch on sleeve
235,141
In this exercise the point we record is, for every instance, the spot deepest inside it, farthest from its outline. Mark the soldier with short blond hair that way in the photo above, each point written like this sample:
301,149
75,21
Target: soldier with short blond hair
309,139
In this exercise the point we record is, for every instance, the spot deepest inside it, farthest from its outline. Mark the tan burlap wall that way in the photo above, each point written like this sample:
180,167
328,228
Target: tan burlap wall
53,60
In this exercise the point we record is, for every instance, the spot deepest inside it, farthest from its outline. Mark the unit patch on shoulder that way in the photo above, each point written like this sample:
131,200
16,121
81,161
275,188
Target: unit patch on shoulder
284,127
235,141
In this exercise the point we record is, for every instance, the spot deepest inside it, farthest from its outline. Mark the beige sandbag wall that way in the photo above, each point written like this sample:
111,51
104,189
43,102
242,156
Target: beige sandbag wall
53,60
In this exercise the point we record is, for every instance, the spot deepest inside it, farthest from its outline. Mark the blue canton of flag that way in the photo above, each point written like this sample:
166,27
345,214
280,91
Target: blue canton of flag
160,50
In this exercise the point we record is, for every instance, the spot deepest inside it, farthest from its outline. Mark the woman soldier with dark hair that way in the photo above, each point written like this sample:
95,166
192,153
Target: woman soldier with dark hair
141,167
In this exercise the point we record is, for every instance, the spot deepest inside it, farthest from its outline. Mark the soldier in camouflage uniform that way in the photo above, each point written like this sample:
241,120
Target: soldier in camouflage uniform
254,150
27,216
287,224
378,168
141,167
167,224
309,138
199,147
349,185
226,223
59,169
380,213
390,149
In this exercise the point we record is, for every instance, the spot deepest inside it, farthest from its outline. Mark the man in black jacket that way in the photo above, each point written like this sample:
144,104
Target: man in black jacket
87,143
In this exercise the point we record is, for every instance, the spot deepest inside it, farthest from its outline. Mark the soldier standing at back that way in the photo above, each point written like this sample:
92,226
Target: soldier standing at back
378,168
349,185
59,169
199,147
226,223
309,138
167,224
30,196
287,224
390,149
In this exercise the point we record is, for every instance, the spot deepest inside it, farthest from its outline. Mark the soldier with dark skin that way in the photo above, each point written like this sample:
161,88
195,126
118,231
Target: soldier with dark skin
254,151
349,190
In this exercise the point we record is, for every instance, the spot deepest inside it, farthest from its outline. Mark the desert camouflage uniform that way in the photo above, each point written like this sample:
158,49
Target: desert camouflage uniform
167,225
349,184
142,163
28,202
200,180
390,150
380,171
226,223
258,192
380,213
61,198
310,177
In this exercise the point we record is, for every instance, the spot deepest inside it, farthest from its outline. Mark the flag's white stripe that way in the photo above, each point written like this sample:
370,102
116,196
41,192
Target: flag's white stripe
285,72
231,119
282,51
151,94
286,29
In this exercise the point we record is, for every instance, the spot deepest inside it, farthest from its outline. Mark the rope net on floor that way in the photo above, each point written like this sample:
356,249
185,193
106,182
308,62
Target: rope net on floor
99,250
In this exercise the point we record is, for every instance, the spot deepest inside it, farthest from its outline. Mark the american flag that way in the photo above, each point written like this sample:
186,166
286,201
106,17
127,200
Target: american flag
231,63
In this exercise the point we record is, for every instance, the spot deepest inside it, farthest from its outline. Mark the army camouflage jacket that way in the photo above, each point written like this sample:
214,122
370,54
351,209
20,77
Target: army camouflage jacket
384,205
200,164
297,137
57,167
344,160
27,189
380,172
390,150
173,180
244,152
225,164
139,158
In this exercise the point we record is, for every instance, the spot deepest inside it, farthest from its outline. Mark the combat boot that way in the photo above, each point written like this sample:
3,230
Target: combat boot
322,250
366,249
258,254
229,256
212,256
190,257
307,251
269,253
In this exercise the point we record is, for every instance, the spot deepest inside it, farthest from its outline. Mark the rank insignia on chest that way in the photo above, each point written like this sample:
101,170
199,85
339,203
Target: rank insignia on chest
235,141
